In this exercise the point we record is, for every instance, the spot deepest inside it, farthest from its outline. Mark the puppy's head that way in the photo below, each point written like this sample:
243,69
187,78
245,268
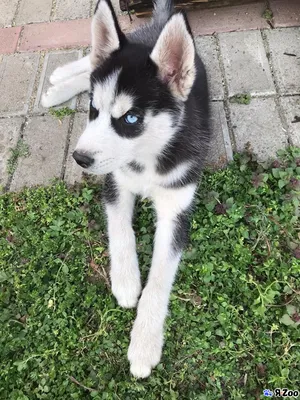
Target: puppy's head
137,92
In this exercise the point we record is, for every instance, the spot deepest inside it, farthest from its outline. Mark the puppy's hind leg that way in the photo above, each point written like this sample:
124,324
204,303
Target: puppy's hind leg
64,91
69,70
172,207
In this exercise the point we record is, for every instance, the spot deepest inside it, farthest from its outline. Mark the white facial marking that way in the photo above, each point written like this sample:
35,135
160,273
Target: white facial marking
109,150
122,104
104,92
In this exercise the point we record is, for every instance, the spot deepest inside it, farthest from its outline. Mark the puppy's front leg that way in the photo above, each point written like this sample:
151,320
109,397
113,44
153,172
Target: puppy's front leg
70,70
65,90
172,206
125,274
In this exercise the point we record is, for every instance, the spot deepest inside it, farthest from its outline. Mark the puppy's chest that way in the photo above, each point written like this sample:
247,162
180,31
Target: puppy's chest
144,179
143,182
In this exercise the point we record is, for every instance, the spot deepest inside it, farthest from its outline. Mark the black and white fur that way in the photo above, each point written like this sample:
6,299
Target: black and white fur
155,76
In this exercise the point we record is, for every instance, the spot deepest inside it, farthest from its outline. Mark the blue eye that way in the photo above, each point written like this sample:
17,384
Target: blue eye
131,119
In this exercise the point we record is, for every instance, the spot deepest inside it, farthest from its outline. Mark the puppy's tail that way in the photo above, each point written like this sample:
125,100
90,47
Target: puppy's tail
163,9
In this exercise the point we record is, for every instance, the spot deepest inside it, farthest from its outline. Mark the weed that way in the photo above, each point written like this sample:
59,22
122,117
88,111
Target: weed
268,14
233,328
244,98
61,112
21,150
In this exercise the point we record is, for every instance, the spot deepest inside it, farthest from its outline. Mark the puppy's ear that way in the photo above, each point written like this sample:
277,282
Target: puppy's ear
174,55
107,36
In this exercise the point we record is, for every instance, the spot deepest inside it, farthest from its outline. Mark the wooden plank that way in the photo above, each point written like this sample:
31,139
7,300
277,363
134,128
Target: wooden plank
143,8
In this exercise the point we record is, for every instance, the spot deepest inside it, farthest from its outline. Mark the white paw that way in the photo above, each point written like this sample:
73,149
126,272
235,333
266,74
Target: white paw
59,75
145,349
50,98
126,289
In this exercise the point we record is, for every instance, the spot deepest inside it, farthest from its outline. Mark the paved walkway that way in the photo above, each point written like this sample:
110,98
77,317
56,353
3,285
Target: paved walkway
242,52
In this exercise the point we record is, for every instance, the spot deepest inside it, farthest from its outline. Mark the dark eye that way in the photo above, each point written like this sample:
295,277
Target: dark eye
130,119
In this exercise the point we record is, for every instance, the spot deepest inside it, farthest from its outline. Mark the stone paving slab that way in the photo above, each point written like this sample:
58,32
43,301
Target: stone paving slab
58,34
9,134
18,76
73,172
285,54
46,137
7,12
207,49
285,12
71,9
246,64
258,124
33,11
9,39
227,19
291,106
72,33
220,149
84,102
51,62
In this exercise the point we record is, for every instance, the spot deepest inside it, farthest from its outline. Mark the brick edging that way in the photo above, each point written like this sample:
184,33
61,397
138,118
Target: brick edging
76,33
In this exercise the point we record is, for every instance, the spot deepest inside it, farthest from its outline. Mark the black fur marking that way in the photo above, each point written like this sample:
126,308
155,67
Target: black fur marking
191,176
194,131
93,113
136,167
181,233
129,130
110,190
138,78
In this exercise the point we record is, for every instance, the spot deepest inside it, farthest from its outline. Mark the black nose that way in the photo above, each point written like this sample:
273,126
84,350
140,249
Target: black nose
82,159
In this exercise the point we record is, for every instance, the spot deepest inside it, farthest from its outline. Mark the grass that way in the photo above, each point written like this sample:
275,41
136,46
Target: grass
234,318
21,150
62,112
243,98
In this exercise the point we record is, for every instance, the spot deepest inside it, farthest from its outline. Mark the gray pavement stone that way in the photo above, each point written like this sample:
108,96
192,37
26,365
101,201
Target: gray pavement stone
84,101
73,172
246,64
16,83
46,137
71,9
207,49
220,148
33,11
9,134
285,56
7,12
291,106
51,62
259,125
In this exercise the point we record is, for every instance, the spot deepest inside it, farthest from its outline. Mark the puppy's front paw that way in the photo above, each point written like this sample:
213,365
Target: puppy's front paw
126,289
59,75
145,349
50,98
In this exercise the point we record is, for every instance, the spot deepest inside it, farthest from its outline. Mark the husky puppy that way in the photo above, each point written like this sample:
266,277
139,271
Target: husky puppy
148,133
